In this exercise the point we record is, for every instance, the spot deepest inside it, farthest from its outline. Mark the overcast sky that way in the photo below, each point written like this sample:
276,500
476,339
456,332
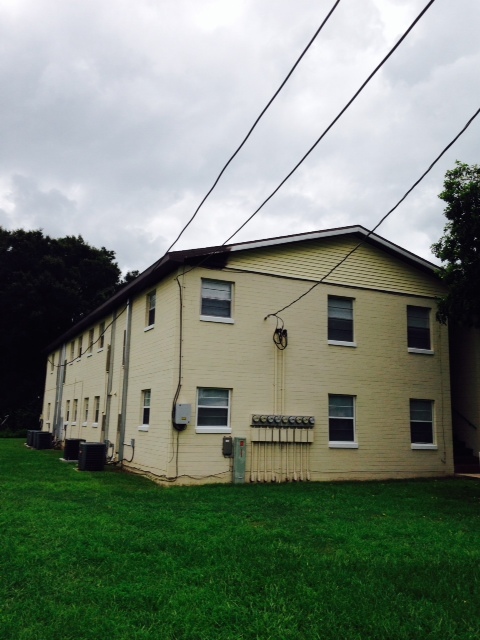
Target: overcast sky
116,116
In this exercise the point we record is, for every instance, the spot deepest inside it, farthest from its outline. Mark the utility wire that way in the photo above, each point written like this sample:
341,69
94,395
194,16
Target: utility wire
255,123
377,68
380,222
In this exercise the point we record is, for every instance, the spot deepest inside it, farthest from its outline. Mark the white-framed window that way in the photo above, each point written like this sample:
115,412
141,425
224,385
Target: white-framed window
72,350
67,411
341,422
340,321
90,340
217,298
75,409
101,335
213,410
418,329
80,342
96,409
150,308
421,424
49,408
52,362
145,409
85,411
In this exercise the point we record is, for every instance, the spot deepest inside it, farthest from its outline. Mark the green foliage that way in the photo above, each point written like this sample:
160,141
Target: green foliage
459,248
46,285
111,555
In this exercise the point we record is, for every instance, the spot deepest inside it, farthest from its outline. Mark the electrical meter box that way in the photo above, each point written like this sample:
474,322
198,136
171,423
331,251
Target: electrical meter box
183,414
227,447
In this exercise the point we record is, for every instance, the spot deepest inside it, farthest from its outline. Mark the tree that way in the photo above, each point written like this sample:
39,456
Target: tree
46,285
459,247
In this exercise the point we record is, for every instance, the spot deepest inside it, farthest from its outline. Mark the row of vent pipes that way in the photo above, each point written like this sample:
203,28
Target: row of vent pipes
280,461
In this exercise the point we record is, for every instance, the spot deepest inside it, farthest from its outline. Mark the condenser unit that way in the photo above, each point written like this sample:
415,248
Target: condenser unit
72,448
42,440
30,434
92,456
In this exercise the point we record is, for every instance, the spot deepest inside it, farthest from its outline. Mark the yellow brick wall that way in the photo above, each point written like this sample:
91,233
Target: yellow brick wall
379,371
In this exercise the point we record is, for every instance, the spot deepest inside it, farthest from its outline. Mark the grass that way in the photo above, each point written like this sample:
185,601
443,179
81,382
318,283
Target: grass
110,555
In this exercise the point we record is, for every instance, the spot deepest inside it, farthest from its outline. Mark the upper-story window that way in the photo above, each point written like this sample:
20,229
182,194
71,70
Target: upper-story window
90,340
418,328
101,335
340,320
72,350
80,341
217,300
150,310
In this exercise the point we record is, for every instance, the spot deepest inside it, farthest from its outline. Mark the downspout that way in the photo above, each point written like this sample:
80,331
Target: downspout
123,422
61,370
110,360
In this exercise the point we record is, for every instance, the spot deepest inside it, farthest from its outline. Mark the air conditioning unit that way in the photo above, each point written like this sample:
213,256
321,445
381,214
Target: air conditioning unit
42,440
30,434
92,456
72,448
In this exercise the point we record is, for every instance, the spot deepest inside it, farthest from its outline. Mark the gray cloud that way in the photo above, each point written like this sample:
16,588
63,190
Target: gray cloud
116,117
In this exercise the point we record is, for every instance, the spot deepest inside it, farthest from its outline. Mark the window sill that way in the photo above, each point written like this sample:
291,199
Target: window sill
100,350
94,425
84,424
427,352
340,343
90,355
424,447
78,360
217,319
144,427
213,430
343,445
149,328
73,424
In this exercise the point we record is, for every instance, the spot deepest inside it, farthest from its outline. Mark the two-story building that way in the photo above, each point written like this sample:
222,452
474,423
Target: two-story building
349,380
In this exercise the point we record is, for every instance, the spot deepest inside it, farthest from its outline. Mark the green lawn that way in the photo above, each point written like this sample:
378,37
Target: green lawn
111,555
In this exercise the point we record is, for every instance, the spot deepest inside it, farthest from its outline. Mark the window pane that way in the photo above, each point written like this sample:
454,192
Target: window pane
211,417
341,429
213,397
216,289
421,410
146,398
340,308
421,432
220,308
340,406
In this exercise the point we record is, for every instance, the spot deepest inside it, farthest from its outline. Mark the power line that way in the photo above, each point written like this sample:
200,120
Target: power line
255,123
377,68
381,221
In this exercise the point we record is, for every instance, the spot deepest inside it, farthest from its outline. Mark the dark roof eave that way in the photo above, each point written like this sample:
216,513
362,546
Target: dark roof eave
167,264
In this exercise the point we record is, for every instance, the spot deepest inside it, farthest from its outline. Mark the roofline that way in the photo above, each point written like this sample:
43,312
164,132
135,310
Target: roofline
217,256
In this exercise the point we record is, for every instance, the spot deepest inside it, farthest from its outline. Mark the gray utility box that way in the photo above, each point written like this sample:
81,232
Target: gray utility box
92,456
239,460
